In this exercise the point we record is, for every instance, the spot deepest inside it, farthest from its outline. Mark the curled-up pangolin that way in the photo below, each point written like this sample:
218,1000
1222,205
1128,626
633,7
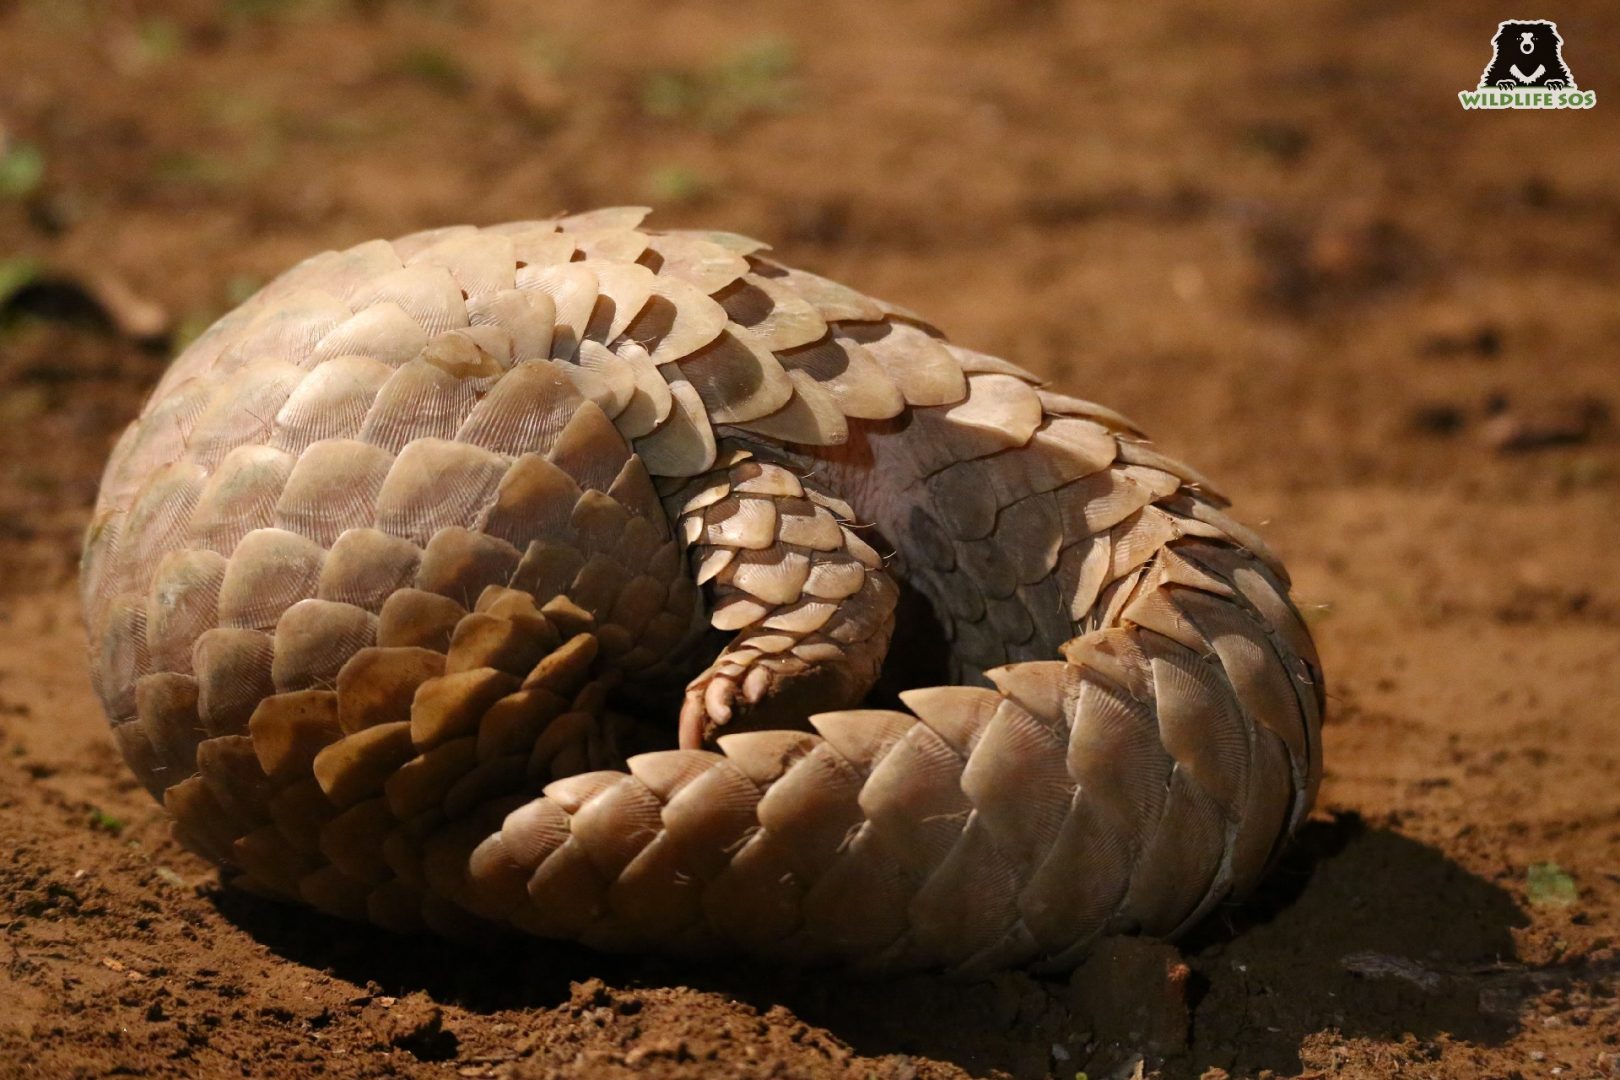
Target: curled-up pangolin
533,576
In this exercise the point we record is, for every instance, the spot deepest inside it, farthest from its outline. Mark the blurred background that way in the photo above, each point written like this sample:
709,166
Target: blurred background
1387,327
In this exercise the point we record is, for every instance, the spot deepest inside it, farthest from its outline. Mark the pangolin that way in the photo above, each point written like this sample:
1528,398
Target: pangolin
531,577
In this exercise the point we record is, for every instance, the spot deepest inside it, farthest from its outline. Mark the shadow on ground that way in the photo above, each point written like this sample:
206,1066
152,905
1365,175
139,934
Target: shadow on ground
1363,930
1359,928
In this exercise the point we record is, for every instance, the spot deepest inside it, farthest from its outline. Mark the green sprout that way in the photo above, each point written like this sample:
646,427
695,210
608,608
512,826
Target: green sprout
433,67
755,79
22,167
1550,885
677,185
101,821
15,275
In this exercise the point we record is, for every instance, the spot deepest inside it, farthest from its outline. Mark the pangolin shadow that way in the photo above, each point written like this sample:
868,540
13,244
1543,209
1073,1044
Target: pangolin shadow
1345,891
1363,930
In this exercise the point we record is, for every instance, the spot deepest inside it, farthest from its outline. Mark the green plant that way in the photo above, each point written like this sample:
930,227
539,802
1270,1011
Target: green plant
551,55
101,821
16,274
677,185
755,79
434,67
191,167
156,40
22,167
1550,885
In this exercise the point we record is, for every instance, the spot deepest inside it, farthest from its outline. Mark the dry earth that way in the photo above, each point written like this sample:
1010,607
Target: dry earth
1389,328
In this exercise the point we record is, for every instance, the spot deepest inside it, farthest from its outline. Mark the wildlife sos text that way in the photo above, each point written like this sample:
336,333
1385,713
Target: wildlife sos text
1527,99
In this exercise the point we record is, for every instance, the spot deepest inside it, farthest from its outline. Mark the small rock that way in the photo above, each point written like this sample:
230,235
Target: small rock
416,1025
673,1049
1560,423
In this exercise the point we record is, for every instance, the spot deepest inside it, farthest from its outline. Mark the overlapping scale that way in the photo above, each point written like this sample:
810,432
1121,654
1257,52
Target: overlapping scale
369,573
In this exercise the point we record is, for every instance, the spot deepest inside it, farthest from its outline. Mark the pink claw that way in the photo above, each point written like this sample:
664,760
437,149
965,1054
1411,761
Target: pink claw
717,699
757,681
705,709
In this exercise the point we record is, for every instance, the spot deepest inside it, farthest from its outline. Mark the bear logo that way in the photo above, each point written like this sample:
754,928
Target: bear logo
1527,53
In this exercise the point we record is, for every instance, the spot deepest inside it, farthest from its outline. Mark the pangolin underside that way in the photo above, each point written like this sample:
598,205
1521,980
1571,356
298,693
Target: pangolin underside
532,576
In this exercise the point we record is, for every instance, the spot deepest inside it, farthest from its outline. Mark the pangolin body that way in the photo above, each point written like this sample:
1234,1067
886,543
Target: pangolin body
393,587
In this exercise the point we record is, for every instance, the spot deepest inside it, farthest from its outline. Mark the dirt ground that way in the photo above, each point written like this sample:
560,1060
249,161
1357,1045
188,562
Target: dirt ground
1268,233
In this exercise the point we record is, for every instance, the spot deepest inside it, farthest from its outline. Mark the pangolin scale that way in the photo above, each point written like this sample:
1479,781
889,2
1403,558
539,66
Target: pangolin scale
394,586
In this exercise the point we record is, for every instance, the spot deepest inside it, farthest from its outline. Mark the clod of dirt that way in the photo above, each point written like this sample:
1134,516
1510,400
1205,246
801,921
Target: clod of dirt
416,1025
1437,418
1151,1017
1458,332
1301,264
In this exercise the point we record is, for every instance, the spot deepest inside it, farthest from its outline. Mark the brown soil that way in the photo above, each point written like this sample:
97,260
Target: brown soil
1271,235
